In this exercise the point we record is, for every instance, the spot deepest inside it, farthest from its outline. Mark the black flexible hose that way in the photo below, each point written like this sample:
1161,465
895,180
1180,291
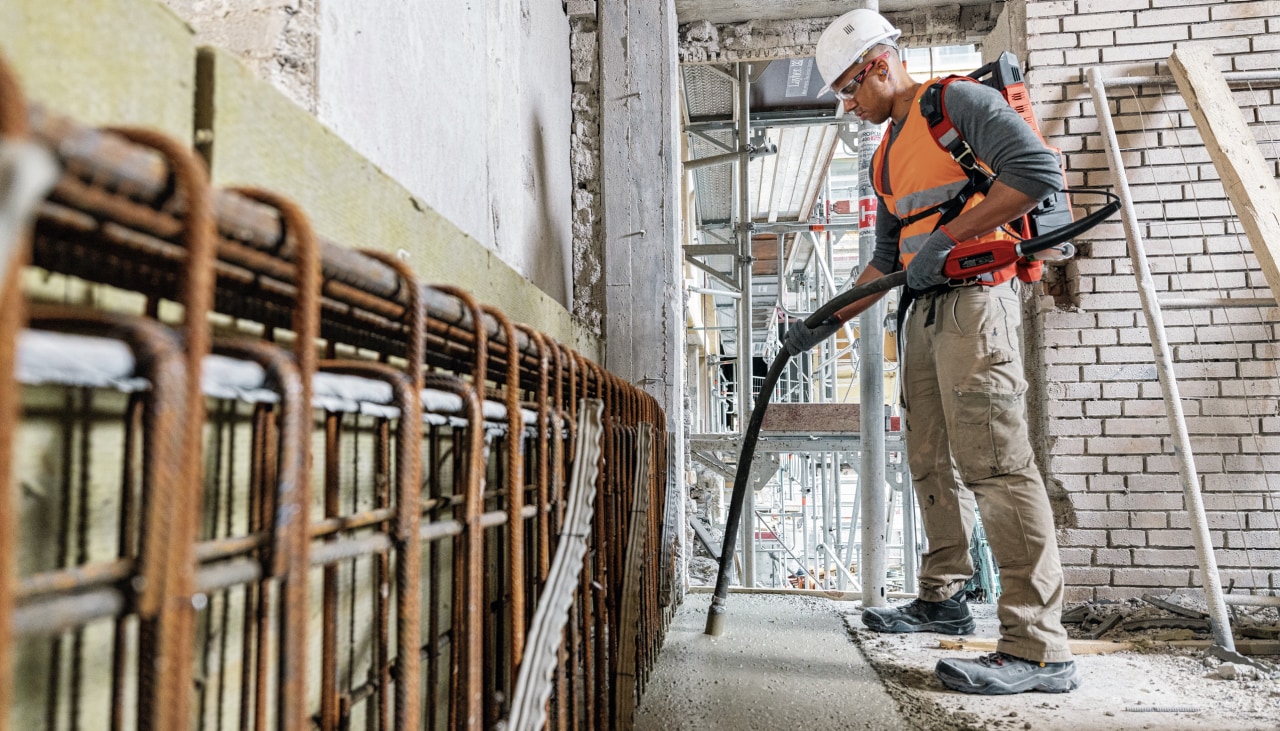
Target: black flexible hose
1073,229
715,615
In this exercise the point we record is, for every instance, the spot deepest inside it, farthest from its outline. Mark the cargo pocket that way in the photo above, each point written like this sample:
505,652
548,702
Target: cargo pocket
990,434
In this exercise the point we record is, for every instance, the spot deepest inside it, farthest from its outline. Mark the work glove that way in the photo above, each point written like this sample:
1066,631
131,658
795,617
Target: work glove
925,270
801,338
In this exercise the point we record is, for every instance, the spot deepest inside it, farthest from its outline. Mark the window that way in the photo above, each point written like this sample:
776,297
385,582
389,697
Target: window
925,63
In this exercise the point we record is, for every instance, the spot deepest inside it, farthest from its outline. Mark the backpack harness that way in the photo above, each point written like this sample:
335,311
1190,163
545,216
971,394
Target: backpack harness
1049,214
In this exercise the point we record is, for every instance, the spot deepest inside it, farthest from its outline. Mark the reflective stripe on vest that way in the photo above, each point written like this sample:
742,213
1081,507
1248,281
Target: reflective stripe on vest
921,175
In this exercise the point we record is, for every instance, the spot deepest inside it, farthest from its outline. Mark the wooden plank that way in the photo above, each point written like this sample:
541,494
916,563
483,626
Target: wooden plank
1244,647
704,535
1244,171
764,248
826,151
812,418
1101,647
1078,647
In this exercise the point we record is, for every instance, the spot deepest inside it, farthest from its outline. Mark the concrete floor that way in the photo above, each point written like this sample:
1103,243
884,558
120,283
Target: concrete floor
796,662
783,662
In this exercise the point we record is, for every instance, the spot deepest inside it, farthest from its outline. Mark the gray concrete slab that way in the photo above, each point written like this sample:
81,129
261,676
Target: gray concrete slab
783,662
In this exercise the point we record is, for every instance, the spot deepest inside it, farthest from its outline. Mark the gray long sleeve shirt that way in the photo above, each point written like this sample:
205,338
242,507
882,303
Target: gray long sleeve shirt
999,137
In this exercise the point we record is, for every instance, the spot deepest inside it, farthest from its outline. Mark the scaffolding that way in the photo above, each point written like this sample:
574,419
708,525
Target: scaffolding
804,516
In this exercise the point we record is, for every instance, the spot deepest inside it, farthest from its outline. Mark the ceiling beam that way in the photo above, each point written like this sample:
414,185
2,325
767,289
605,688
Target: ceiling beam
704,41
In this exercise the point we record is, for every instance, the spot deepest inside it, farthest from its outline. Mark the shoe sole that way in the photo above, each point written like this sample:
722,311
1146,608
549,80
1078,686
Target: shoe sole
1064,681
949,627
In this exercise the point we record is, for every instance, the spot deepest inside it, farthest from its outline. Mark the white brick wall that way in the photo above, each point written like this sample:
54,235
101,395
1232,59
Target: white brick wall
1107,431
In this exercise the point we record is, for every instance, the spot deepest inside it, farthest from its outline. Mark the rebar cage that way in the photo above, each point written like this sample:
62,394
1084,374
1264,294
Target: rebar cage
261,480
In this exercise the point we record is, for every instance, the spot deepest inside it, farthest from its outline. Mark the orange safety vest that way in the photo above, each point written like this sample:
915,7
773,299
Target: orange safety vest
920,175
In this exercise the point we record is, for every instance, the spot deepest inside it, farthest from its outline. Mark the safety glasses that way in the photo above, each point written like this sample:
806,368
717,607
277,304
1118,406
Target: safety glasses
850,89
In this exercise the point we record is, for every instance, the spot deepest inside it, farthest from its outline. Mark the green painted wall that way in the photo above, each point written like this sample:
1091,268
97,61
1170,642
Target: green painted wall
121,62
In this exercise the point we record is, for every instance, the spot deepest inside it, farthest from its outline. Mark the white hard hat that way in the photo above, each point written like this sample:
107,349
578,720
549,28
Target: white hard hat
847,39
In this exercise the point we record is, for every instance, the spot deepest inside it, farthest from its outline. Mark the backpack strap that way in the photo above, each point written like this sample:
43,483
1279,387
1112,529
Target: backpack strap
934,109
947,137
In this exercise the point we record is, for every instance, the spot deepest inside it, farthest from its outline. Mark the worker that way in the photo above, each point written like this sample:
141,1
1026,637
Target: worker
962,380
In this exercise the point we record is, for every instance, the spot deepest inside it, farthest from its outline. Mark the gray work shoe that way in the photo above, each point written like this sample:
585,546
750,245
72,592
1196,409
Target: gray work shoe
950,617
1001,674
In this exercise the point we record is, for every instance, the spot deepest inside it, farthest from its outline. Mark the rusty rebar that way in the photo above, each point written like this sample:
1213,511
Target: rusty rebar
257,598
175,596
515,505
544,429
408,496
606,547
13,125
255,250
329,589
126,548
432,645
405,538
116,218
382,578
466,705
468,700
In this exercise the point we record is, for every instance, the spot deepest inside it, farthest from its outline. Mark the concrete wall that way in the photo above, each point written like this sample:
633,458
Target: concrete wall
644,323
276,38
588,203
467,106
1106,431
443,133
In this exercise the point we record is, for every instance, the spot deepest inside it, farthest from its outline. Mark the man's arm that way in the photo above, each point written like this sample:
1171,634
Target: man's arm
800,338
857,307
883,261
1002,204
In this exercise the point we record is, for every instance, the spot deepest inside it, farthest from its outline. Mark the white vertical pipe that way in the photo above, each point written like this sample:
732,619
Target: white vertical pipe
826,497
744,368
910,550
1209,577
837,507
807,552
854,520
874,506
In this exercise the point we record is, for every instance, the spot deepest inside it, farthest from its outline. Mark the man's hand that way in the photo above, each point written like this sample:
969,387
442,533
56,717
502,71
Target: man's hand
800,338
925,270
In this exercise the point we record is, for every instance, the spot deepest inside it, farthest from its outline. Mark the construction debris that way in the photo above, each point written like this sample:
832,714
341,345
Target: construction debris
1177,622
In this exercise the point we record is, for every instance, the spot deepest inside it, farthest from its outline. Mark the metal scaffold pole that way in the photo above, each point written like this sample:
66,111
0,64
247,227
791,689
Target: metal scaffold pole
744,311
874,505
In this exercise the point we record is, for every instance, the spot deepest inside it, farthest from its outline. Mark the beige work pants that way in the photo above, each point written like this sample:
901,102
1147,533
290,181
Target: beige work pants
967,437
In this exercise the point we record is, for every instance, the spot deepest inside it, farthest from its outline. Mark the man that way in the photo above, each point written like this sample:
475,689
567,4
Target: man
962,376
